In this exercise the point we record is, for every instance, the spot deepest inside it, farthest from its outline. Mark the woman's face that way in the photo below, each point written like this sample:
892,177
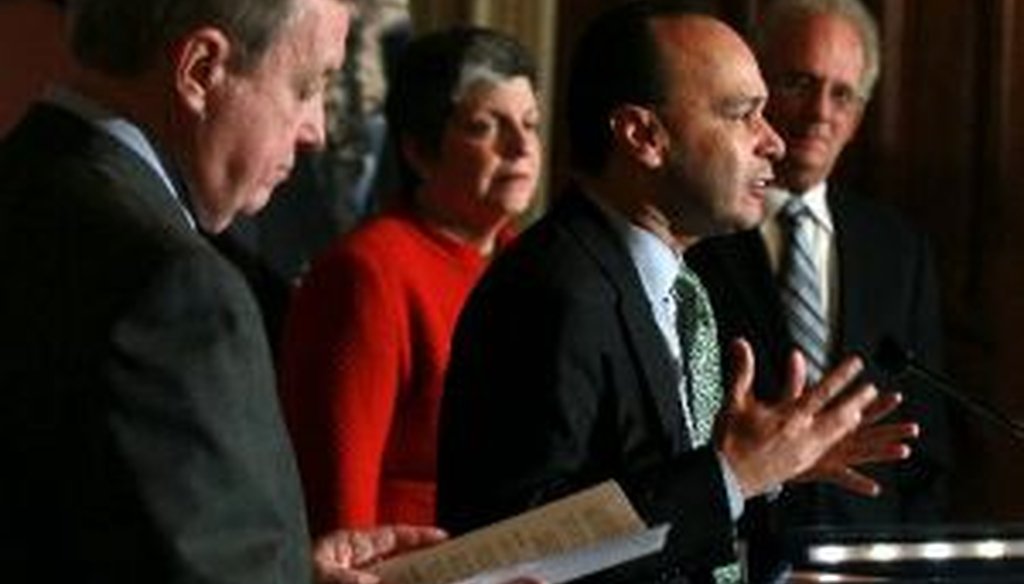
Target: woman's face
486,168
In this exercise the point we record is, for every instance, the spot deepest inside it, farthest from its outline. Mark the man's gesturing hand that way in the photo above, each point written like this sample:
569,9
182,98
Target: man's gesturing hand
813,433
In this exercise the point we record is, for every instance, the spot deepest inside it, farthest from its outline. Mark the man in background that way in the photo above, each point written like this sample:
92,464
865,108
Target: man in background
830,272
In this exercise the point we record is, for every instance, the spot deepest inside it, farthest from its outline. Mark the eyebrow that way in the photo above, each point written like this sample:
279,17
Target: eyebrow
734,103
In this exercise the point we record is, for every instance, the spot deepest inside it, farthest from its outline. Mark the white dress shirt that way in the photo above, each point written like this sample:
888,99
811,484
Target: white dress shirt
823,243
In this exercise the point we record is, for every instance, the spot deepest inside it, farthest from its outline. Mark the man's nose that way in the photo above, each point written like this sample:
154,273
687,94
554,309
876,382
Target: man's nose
313,129
770,144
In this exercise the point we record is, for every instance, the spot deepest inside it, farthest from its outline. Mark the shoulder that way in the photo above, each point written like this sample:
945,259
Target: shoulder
567,253
867,217
387,240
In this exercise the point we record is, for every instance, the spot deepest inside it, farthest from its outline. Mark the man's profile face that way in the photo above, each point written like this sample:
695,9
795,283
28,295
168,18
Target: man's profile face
258,119
814,67
720,148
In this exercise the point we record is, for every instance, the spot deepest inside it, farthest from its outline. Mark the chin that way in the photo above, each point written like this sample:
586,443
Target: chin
255,203
516,203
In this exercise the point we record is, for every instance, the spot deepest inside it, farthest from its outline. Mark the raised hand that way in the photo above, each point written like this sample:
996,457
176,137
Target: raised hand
872,442
769,444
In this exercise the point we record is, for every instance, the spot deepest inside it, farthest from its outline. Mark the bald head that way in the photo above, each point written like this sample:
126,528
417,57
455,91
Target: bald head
696,50
616,61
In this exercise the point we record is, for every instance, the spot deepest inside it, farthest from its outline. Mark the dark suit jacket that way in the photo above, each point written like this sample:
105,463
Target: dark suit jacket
886,288
559,378
141,435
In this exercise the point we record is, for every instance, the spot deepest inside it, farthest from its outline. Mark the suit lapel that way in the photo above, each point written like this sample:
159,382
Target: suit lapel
855,273
754,281
737,271
592,229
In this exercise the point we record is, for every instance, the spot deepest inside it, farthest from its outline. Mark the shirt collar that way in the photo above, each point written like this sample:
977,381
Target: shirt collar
119,128
656,262
814,198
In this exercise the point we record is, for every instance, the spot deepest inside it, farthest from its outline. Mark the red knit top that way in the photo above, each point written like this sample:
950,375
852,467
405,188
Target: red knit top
364,355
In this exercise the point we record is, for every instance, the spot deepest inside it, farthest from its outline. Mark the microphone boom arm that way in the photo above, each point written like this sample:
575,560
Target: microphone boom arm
899,363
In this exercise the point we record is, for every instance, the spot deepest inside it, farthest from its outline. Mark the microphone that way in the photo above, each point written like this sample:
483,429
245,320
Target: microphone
899,362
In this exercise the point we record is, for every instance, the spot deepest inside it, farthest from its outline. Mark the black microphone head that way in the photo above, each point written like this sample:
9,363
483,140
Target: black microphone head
891,357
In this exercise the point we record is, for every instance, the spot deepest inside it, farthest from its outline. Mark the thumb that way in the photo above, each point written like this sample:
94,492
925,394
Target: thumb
742,357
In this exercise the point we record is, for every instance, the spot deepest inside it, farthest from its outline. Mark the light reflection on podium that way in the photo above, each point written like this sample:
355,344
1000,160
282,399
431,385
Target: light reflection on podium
959,553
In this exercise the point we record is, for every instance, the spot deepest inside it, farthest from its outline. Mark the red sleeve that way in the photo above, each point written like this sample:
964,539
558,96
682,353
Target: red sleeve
340,365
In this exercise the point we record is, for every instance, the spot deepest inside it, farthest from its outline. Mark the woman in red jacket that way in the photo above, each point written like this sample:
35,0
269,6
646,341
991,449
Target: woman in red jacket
366,341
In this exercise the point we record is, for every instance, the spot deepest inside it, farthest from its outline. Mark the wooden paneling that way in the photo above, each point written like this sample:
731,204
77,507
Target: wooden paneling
32,54
943,142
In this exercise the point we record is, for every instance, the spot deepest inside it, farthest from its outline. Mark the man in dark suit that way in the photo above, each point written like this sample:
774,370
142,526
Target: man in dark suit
142,440
872,275
566,333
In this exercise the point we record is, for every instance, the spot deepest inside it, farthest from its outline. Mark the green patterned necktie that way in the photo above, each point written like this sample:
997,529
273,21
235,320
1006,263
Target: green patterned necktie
698,339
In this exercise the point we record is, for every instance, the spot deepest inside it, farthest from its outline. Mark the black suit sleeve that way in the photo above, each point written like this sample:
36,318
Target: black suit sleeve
194,424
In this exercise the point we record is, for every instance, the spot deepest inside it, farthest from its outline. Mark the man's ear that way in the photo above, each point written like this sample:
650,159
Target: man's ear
638,132
201,62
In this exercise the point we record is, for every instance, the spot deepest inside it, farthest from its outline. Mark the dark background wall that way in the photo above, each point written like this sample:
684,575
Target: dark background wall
32,52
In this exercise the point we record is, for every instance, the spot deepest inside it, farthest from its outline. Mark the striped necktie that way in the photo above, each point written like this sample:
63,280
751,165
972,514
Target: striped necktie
800,289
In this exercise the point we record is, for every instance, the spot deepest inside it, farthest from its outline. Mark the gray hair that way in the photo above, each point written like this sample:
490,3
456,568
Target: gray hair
780,13
432,75
125,37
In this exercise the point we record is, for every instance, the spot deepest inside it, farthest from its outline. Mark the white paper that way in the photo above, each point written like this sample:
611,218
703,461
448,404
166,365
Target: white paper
578,534
580,562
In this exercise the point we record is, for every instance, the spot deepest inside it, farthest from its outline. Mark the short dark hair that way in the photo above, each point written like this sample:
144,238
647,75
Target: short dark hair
124,37
615,62
431,69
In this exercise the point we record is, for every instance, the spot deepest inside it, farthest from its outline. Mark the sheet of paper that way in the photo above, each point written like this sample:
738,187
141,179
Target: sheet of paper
601,514
581,562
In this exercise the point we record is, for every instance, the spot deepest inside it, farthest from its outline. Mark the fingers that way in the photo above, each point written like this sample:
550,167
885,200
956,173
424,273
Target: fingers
886,404
796,375
846,413
852,480
333,560
881,443
353,548
834,381
339,556
378,543
743,371
334,550
408,537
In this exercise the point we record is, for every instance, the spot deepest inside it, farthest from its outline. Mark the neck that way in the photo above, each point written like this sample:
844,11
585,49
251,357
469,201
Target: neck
482,238
636,201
